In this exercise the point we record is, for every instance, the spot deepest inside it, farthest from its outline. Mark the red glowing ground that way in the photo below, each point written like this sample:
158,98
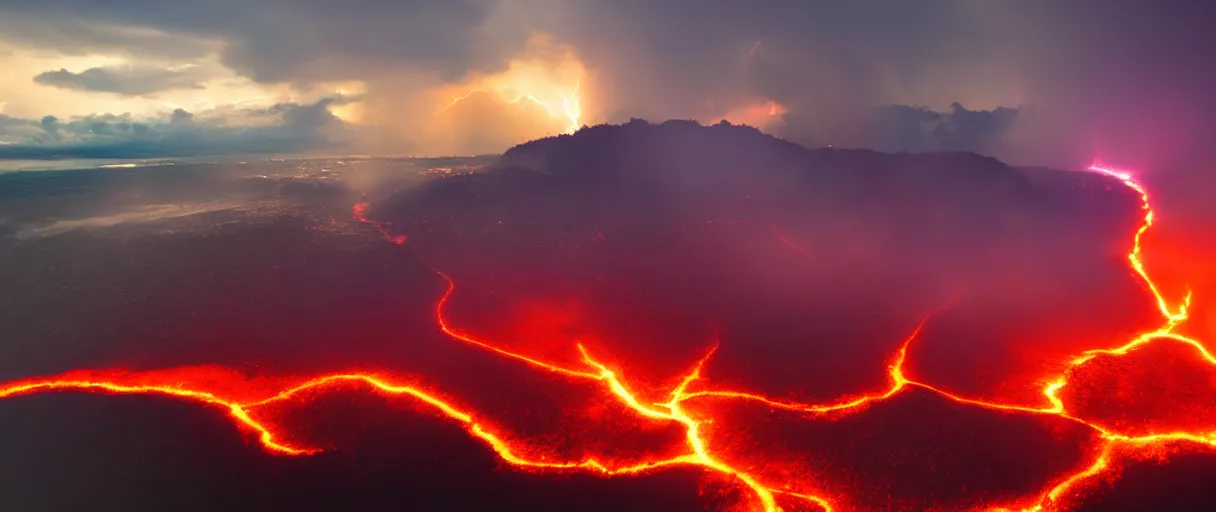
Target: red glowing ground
1100,410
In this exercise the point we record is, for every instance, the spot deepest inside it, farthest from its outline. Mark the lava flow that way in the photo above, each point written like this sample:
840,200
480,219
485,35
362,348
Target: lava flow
359,212
245,400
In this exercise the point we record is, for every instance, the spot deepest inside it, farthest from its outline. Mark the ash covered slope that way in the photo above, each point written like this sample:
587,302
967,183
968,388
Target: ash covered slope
650,187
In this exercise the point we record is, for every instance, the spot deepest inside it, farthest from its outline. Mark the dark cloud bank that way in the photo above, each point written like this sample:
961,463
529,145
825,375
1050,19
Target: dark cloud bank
128,82
286,128
309,128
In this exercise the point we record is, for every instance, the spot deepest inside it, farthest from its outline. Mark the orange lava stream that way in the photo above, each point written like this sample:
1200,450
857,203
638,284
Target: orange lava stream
1104,463
240,411
243,408
359,212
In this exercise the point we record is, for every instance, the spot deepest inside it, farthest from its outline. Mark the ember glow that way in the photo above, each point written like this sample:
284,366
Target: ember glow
694,403
758,112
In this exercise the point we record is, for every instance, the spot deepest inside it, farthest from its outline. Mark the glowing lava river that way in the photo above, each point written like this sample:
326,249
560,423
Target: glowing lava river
697,409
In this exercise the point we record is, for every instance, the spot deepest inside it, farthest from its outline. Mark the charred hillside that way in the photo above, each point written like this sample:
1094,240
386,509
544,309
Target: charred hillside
643,186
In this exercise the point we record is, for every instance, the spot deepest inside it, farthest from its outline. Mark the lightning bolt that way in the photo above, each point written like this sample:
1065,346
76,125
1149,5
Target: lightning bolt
458,99
571,108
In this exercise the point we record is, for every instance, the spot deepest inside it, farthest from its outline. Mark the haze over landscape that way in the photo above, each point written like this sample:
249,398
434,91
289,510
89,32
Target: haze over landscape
593,255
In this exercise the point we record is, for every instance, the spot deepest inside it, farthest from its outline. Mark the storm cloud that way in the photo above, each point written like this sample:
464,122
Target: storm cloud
126,81
1132,83
281,129
281,40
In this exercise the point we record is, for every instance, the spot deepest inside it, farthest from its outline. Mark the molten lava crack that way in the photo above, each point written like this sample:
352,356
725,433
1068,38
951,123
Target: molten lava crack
1114,440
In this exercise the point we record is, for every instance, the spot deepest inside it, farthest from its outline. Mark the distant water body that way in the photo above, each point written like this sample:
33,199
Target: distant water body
63,165
7,166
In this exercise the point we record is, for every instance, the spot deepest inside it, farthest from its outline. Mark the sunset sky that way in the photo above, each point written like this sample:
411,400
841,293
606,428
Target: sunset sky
1030,81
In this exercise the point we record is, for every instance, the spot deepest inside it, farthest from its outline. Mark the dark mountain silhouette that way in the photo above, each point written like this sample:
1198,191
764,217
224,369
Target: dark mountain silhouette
919,213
